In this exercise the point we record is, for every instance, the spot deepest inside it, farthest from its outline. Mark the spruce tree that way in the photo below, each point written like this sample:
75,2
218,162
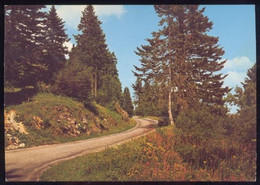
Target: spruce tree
24,43
55,50
182,59
137,87
91,47
109,90
245,99
127,102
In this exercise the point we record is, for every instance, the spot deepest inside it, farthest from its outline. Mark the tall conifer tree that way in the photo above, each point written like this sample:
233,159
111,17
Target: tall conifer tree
91,47
127,102
182,59
24,43
55,50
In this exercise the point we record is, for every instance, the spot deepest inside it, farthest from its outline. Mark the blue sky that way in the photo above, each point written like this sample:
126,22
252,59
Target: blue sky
127,26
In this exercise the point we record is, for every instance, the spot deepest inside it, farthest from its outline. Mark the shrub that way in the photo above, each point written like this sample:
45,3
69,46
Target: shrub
91,107
207,141
74,80
163,122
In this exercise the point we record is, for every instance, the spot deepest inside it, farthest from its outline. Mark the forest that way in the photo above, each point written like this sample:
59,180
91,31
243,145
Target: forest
35,56
178,81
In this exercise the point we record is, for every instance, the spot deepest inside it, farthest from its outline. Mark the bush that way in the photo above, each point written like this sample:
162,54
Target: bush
163,122
203,142
199,135
74,80
91,107
43,87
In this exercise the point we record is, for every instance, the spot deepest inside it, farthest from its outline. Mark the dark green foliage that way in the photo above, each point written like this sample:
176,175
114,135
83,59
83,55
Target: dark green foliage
24,44
200,133
163,122
46,123
92,51
15,98
91,107
138,88
148,100
215,142
110,91
182,59
127,104
74,80
245,99
91,48
54,50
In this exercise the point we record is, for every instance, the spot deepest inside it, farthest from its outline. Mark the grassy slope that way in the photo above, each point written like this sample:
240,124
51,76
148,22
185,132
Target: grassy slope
49,107
150,158
132,161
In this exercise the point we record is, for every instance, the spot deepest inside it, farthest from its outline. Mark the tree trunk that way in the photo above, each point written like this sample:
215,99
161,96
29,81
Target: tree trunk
95,87
170,98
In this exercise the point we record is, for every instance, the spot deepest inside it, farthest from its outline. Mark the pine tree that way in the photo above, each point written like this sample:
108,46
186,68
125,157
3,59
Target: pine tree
246,101
127,102
182,59
91,47
109,84
137,87
24,43
55,50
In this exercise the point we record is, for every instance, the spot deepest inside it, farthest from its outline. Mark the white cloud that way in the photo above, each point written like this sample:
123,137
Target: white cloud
236,69
238,64
234,78
71,14
109,10
69,45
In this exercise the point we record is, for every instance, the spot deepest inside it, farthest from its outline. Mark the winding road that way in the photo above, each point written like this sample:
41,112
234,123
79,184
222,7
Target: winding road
28,164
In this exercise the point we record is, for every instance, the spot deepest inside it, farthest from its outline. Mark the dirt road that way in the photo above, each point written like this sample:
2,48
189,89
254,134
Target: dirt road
28,164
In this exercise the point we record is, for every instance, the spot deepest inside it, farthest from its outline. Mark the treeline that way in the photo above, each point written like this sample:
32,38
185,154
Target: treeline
180,79
35,55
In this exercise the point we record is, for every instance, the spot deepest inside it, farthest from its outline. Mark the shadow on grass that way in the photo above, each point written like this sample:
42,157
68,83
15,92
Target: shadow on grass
15,98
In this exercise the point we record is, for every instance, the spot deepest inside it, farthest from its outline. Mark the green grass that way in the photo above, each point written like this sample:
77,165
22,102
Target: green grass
149,158
112,164
11,89
46,105
153,117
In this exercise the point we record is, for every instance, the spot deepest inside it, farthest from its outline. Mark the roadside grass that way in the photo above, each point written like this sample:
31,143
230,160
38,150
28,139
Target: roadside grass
48,107
149,158
108,165
153,117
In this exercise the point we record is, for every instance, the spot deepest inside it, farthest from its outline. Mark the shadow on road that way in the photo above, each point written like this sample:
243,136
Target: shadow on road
11,174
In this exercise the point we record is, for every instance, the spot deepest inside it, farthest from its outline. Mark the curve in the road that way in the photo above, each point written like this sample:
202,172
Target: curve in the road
28,164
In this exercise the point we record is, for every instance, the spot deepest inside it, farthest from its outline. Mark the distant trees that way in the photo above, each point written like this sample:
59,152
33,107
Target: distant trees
245,99
127,104
183,60
147,99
